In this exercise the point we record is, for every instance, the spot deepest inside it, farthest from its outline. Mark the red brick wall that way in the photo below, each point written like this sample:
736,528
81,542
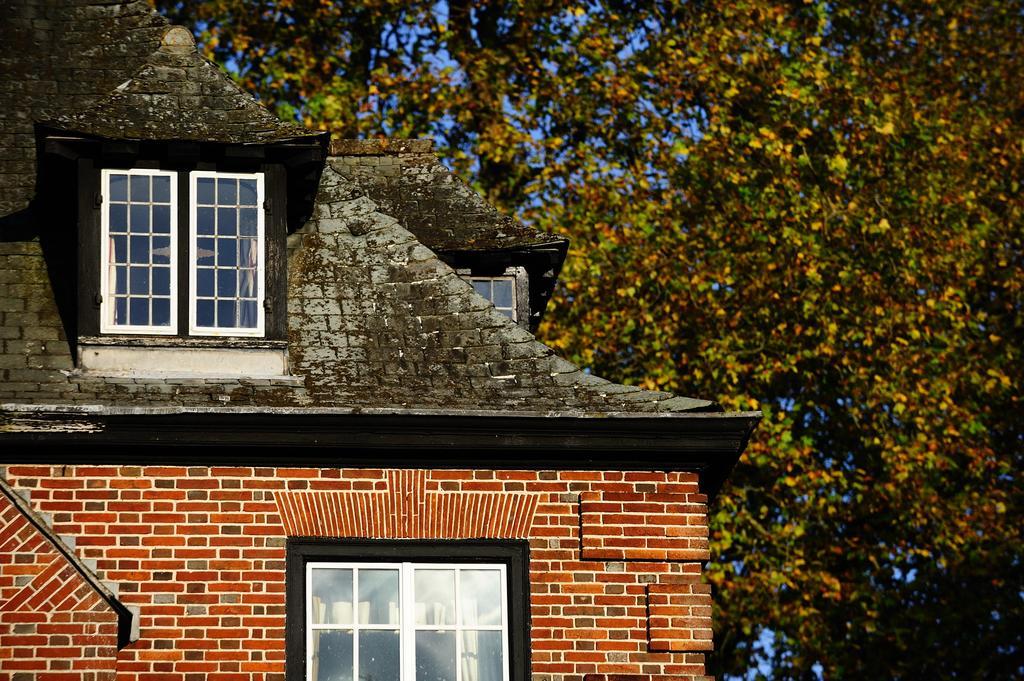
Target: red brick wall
53,625
201,551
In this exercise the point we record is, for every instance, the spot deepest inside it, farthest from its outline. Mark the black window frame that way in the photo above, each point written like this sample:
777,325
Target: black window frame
515,555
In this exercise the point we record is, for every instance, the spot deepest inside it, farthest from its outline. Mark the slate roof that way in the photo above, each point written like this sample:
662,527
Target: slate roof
179,95
56,56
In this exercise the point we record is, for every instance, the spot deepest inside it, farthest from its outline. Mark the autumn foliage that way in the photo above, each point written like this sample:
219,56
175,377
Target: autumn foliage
809,208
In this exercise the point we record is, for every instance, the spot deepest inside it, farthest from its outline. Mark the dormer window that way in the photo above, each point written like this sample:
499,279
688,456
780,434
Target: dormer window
506,288
142,253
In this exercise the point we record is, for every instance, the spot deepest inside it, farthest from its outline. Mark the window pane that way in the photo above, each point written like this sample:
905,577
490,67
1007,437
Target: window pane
248,316
435,596
204,221
121,280
227,191
483,288
140,187
121,311
226,314
118,187
379,655
162,219
481,656
204,251
227,224
161,312
435,656
247,283
480,597
247,222
247,192
162,188
140,218
502,293
138,311
204,282
161,250
204,191
378,597
332,656
120,248
139,280
204,313
118,217
140,249
226,252
248,253
332,596
161,281
226,280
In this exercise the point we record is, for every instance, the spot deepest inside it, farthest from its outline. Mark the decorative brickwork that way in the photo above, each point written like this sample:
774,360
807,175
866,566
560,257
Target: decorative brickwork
201,552
405,510
53,623
645,526
679,617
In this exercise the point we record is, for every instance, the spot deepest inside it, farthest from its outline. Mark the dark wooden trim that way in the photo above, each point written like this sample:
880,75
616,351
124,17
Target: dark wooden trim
275,280
514,554
89,246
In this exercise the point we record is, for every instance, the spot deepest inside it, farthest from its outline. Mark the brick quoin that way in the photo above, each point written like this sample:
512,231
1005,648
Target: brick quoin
201,552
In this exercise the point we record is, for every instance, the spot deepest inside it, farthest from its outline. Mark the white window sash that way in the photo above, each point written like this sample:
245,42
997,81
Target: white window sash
193,327
107,277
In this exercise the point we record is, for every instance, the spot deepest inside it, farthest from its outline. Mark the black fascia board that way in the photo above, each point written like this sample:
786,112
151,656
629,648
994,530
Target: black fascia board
707,443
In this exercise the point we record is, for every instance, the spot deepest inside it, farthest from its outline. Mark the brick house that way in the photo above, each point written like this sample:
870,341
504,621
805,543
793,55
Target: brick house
271,406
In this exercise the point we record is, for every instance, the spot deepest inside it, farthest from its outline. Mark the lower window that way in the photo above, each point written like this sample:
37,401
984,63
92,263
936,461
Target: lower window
443,615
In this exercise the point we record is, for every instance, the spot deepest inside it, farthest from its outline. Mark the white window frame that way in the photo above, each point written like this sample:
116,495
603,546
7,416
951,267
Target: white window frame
501,277
107,297
193,328
407,626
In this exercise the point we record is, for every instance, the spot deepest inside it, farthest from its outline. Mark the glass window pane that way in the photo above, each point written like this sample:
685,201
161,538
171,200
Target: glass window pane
483,288
435,596
204,252
481,656
248,316
162,250
247,283
140,218
480,597
204,191
139,280
204,221
162,188
161,312
226,280
121,279
227,191
204,313
161,281
332,656
332,596
435,656
121,311
227,221
120,248
379,655
226,256
162,219
140,187
502,293
140,249
204,282
226,314
138,311
247,222
378,596
247,192
118,217
248,254
118,187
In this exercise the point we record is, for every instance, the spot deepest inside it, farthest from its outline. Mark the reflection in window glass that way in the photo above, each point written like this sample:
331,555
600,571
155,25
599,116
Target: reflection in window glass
138,233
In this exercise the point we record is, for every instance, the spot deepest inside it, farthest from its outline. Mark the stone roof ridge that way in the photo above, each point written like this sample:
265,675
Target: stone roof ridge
178,94
408,180
128,622
417,335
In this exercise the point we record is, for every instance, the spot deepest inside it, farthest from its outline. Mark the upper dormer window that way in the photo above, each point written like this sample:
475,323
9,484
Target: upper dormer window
506,288
144,248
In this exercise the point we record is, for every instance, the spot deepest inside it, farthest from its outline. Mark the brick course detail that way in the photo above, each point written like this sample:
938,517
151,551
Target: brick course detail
679,617
53,624
200,551
656,526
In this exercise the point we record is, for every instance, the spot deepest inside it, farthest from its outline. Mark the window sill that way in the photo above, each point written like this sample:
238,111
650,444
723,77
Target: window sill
156,358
